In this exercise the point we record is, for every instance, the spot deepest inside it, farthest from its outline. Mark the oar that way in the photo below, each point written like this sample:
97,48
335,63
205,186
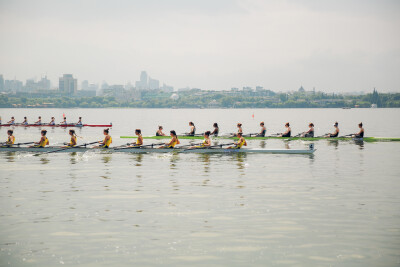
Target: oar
65,148
27,143
347,135
159,144
276,134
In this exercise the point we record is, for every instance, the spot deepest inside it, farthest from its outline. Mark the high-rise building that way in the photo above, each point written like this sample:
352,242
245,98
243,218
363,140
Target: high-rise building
1,83
85,85
143,83
67,84
154,84
44,83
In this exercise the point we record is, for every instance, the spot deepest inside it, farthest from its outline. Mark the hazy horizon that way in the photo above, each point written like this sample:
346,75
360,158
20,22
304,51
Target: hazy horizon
341,46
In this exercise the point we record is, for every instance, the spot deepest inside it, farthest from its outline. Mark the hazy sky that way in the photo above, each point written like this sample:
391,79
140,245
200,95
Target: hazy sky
338,45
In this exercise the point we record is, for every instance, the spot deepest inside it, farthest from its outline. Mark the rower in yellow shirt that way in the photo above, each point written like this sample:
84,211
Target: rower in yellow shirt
139,140
10,139
241,142
43,140
206,141
73,141
107,139
173,142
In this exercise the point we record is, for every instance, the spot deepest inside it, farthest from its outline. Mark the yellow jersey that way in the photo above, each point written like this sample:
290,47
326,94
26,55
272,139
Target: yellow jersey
10,140
44,142
108,142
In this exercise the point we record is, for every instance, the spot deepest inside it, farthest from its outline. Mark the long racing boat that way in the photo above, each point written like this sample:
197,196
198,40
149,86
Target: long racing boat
220,150
56,125
365,139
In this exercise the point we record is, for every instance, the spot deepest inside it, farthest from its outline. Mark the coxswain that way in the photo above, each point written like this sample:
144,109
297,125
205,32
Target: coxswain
25,122
310,132
64,122
107,139
43,140
263,130
336,133
12,121
139,140
360,134
192,129
79,123
39,121
11,138
241,142
160,132
53,121
216,130
288,131
206,141
173,142
73,141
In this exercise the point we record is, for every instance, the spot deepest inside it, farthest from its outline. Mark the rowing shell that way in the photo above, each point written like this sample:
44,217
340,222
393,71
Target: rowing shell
365,139
161,150
56,125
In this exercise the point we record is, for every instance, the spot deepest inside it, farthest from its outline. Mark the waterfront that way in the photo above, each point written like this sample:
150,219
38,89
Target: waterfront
339,207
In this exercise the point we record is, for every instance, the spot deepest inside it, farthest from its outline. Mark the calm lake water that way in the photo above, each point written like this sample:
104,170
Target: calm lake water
338,207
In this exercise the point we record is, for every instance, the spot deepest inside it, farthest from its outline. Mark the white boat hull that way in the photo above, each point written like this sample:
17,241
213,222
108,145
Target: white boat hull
155,150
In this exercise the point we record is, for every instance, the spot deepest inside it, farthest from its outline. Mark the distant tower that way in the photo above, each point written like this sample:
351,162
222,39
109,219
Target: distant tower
143,79
1,83
67,84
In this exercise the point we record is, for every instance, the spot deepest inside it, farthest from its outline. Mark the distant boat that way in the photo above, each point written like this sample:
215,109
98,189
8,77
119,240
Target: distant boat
374,105
346,107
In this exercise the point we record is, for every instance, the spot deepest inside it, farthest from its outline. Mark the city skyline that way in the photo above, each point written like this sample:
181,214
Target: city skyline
342,46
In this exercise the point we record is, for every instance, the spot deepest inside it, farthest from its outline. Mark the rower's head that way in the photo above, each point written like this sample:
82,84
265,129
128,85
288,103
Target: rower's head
53,118
360,125
207,134
239,125
262,123
336,124
160,127
43,132
80,118
25,118
71,132
287,124
40,117
311,124
106,131
191,123
172,132
215,125
12,118
10,132
138,131
65,118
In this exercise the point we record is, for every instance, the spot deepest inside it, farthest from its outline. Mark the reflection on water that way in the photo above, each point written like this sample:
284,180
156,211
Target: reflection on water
205,158
263,144
334,143
44,160
73,158
107,158
240,158
138,158
359,143
10,156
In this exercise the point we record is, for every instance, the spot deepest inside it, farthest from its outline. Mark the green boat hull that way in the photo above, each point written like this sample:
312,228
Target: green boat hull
365,139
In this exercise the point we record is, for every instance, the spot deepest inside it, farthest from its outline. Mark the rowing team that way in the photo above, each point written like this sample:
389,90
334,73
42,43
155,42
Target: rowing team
263,131
107,141
39,121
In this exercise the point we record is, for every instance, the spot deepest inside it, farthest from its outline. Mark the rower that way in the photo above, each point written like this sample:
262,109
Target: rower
263,130
107,139
79,123
288,131
310,132
192,129
39,121
73,141
336,133
11,138
216,130
0,120
12,121
239,126
139,141
173,142
160,132
43,140
53,121
360,134
25,122
64,122
241,142
206,142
